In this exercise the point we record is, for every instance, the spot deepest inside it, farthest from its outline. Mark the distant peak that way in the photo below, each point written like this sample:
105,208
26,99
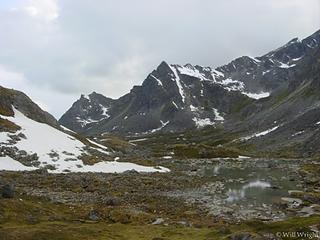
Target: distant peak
163,63
93,94
164,66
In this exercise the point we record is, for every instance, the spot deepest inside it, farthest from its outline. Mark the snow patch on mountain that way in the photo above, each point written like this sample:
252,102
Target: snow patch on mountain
218,116
189,70
157,79
257,95
193,108
67,129
202,122
85,122
255,59
174,104
178,82
232,85
44,139
119,167
57,149
104,111
259,134
163,124
9,164
216,73
286,66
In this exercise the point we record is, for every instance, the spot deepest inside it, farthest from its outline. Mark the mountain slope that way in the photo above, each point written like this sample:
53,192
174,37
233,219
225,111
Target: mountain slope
31,139
17,99
88,110
294,111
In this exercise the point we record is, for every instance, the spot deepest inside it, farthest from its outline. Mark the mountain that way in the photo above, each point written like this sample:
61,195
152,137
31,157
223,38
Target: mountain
292,113
31,139
86,111
244,95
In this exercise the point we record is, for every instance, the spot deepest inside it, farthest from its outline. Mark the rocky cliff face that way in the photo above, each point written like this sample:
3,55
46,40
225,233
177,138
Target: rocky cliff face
176,98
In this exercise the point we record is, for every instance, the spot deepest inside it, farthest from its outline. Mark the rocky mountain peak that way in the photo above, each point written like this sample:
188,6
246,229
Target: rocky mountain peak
163,67
186,96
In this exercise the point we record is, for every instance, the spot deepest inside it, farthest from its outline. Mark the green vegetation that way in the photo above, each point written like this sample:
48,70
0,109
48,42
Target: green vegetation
281,96
29,219
310,92
116,143
8,126
203,151
241,105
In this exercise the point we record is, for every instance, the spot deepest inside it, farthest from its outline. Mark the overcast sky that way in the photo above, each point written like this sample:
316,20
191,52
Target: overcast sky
54,50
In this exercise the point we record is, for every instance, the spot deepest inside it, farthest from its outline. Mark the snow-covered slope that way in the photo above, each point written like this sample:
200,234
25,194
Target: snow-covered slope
54,149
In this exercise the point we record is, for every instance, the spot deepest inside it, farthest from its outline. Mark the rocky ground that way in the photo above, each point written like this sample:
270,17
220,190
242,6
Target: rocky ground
190,202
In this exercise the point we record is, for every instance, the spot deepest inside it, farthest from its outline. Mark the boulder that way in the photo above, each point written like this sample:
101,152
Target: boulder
7,191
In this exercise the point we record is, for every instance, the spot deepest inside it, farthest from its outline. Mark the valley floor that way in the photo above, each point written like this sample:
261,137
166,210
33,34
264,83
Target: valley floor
198,199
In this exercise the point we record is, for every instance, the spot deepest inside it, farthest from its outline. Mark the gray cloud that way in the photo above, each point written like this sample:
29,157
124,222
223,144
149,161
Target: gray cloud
63,48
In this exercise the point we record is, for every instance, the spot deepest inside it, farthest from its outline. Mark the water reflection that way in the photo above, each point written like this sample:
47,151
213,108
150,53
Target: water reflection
237,194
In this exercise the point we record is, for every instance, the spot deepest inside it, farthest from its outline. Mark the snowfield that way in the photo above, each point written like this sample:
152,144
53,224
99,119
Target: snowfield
56,148
257,95
9,164
263,133
202,122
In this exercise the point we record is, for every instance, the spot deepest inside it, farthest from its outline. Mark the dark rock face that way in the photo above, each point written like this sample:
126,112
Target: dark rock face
247,94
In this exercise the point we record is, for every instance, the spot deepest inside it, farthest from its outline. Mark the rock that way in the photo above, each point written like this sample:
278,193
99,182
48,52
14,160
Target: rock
94,215
158,221
295,192
292,202
118,216
311,198
7,191
184,223
130,172
113,202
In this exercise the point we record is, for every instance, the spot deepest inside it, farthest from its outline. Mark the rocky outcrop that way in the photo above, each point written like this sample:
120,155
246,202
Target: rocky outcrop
12,98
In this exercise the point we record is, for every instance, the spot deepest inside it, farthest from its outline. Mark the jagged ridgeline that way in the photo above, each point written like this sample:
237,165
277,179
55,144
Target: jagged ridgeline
250,93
